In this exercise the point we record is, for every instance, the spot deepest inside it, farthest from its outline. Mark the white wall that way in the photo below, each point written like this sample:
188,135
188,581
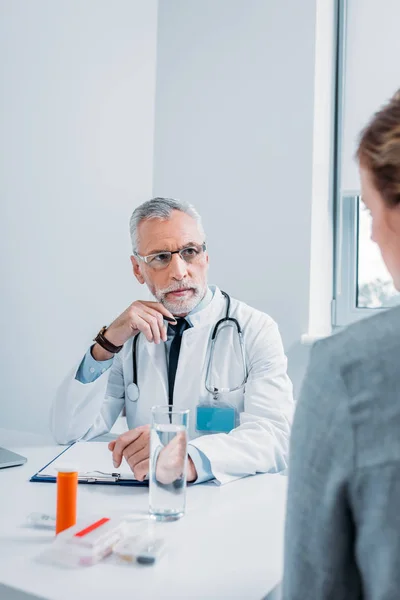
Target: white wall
234,135
77,83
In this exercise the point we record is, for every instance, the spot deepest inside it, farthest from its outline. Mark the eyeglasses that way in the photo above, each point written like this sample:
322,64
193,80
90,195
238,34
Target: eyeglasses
190,254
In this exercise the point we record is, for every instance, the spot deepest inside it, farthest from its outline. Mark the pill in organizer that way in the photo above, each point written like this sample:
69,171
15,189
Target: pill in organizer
87,543
144,549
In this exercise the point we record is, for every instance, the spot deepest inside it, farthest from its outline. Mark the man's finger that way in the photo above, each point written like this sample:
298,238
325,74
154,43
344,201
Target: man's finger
155,328
142,469
138,457
111,445
160,308
159,325
144,327
123,441
137,446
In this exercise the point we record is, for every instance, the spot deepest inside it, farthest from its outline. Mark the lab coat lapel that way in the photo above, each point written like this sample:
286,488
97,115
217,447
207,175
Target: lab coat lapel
156,373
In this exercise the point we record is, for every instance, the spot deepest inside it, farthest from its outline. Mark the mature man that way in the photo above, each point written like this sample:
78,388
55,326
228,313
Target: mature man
139,361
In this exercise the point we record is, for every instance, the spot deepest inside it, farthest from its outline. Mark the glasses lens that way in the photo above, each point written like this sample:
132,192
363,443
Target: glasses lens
160,261
191,254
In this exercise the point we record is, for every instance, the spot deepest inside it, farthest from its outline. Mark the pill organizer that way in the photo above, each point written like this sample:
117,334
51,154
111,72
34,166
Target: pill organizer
87,543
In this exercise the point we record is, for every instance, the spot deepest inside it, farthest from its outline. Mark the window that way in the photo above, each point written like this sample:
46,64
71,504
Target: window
375,288
363,283
366,79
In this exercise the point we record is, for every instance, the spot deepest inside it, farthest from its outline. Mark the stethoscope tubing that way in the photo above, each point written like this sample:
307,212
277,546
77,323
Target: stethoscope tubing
133,388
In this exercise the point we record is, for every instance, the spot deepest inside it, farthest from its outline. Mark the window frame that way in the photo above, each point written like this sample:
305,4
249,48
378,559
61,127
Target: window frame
345,309
346,208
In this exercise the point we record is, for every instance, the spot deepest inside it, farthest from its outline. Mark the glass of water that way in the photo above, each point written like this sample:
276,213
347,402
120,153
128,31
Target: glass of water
168,462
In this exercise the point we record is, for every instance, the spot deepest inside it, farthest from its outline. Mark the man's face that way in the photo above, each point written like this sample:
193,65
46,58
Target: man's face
179,286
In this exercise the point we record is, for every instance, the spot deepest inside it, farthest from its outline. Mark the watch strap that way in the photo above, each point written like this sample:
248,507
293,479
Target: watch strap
105,343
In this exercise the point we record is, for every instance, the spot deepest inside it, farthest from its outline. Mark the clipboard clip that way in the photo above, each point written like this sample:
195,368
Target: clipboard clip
90,477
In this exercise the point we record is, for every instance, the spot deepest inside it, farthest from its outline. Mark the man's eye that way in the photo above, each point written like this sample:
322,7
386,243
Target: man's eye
163,257
189,252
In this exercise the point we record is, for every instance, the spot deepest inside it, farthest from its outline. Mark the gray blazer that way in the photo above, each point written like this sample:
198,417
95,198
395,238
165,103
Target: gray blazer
343,516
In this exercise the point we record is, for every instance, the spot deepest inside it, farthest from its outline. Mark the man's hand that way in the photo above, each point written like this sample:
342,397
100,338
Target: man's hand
134,446
171,461
147,317
191,471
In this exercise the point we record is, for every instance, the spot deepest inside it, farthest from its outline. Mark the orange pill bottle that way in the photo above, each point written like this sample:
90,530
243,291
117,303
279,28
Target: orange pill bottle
67,490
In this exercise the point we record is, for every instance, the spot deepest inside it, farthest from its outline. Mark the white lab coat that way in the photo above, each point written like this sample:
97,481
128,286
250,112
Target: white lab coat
258,445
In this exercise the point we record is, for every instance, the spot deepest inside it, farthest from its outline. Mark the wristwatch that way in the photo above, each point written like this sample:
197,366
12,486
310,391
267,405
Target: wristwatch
105,343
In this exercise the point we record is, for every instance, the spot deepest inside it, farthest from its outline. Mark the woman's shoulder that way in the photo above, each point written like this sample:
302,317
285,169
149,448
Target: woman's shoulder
365,340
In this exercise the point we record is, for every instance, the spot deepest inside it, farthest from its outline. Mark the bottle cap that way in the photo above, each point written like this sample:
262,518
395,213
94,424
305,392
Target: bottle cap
66,468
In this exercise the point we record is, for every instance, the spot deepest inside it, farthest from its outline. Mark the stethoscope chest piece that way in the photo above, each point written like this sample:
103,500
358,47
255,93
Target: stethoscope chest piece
133,392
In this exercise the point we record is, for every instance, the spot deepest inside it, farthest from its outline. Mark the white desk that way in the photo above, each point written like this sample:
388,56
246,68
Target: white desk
228,545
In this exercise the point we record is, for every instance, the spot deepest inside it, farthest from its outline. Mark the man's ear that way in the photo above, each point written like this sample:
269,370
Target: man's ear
136,270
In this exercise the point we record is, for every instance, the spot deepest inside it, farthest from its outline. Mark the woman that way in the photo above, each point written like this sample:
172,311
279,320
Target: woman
343,514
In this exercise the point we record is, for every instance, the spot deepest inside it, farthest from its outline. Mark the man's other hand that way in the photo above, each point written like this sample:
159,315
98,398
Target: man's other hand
134,446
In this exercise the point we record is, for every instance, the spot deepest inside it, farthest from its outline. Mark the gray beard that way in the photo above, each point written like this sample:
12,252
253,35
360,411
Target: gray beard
182,306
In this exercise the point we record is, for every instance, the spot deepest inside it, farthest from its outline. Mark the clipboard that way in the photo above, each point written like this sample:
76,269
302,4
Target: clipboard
94,465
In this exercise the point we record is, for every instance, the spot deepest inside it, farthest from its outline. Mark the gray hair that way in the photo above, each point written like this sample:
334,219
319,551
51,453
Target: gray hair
160,208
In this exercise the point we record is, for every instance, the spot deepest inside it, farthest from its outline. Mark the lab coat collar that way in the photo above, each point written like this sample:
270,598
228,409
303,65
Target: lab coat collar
209,295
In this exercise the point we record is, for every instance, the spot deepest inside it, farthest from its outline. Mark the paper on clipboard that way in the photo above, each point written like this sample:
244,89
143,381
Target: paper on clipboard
92,459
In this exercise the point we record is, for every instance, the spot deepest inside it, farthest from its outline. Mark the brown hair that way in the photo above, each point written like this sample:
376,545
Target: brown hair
379,150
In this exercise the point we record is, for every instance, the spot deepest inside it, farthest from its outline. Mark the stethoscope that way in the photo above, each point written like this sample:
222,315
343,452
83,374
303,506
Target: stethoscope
228,321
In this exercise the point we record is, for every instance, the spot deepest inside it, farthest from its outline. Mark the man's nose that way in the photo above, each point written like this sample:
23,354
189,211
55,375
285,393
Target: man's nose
177,267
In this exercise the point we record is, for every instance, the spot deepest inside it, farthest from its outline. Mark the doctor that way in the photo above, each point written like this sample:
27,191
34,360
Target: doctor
162,352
